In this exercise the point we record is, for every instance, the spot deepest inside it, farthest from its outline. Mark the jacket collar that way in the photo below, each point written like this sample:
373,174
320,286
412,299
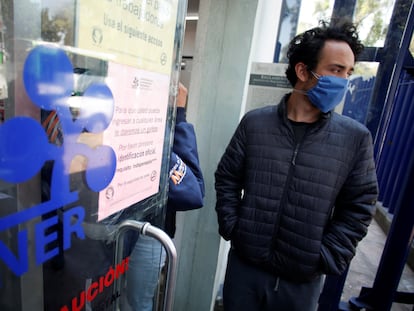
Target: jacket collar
282,111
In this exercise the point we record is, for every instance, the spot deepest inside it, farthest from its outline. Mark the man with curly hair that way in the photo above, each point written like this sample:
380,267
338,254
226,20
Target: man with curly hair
296,186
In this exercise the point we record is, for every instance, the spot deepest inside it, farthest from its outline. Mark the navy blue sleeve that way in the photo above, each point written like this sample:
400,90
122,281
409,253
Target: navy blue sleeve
186,183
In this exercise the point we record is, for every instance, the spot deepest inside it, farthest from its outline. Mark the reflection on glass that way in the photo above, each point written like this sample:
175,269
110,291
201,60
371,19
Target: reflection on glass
360,90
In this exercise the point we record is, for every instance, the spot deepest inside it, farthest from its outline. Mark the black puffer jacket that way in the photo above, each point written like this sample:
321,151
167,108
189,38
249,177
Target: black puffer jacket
297,209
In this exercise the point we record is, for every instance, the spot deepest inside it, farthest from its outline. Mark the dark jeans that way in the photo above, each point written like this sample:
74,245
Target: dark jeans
250,288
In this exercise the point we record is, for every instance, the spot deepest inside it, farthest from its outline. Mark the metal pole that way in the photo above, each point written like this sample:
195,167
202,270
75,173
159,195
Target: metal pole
171,263
384,290
330,297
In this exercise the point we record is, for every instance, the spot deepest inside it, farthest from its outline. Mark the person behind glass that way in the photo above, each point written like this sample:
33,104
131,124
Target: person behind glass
186,192
296,187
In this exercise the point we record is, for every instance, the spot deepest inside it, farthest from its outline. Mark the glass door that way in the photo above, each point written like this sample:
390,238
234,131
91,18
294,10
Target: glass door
87,95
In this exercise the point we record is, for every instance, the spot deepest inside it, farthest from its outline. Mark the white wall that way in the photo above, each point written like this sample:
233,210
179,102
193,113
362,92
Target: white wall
265,30
264,38
231,34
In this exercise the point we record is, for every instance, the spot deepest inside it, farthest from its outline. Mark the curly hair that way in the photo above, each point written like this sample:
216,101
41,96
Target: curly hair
306,47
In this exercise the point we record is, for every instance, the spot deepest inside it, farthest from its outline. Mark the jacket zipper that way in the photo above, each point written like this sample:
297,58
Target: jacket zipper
283,200
293,161
285,191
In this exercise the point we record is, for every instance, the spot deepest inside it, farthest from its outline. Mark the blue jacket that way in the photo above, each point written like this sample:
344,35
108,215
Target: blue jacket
186,183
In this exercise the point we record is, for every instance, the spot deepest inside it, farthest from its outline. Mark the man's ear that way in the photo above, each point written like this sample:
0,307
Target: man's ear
302,72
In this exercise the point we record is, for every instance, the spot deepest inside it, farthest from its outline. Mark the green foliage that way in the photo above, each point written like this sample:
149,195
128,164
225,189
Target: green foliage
371,17
59,26
322,10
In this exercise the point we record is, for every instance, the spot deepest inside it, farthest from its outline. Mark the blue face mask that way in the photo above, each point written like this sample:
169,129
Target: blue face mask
328,92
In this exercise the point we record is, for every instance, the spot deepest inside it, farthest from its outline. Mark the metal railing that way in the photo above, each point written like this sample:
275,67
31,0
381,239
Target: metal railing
147,229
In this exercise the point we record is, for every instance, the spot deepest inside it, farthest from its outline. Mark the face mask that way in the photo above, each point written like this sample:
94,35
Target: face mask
328,92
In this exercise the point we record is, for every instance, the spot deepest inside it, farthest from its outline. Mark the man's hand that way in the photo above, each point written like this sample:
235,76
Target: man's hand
182,96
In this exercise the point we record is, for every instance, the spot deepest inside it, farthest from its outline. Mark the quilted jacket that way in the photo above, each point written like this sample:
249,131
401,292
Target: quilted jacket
297,209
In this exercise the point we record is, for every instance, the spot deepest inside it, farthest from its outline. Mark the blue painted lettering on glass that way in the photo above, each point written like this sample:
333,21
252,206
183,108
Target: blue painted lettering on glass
48,79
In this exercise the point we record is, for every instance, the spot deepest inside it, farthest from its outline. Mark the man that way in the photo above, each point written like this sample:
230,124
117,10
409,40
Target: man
296,186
